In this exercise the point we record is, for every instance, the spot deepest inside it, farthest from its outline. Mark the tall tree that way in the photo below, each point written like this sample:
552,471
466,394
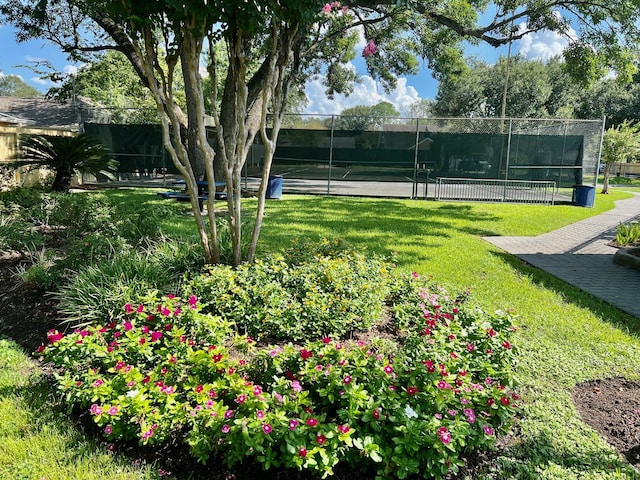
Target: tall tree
14,86
620,144
365,117
269,44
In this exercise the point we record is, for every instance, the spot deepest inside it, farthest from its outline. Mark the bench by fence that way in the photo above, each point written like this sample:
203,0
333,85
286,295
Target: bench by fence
492,190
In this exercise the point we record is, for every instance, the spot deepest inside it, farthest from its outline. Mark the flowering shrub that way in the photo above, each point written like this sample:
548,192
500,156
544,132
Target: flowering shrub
331,295
164,369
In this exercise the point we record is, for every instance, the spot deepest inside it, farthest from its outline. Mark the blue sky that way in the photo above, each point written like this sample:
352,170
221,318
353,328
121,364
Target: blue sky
410,88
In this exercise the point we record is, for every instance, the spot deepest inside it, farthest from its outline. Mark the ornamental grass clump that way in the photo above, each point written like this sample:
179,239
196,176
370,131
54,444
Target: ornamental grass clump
163,370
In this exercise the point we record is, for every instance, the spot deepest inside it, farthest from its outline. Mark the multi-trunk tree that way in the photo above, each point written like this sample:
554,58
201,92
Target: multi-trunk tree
271,44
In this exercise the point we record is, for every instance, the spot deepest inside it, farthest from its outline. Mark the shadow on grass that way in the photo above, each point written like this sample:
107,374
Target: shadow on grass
572,294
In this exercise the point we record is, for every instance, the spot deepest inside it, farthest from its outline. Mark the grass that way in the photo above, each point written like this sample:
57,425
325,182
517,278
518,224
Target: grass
565,336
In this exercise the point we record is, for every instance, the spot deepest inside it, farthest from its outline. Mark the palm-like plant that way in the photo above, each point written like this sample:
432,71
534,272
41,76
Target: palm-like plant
65,155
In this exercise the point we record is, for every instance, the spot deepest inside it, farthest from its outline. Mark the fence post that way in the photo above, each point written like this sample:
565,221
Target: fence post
506,172
414,191
333,119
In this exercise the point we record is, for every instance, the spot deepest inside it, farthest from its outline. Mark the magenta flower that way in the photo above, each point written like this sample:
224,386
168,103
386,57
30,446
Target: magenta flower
302,452
128,308
295,385
98,383
312,422
347,379
326,340
344,428
108,429
53,336
113,410
488,430
225,428
155,336
305,354
95,409
293,424
376,414
165,311
140,308
240,399
193,301
257,390
321,439
266,428
388,369
228,414
260,414
444,435
412,390
470,414
326,9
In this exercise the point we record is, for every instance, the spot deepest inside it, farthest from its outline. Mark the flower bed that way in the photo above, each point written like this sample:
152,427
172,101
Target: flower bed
412,404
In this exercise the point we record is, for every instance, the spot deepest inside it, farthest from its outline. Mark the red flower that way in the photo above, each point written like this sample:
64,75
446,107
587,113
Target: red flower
199,388
312,422
506,345
217,357
321,439
376,414
41,349
505,401
305,354
412,390
53,336
344,428
491,332
444,435
326,340
302,452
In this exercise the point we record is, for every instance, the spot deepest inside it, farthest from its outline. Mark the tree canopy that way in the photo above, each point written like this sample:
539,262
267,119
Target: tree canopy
270,45
14,86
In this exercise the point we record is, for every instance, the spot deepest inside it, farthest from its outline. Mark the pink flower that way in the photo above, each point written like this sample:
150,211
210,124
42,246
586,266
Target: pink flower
95,409
198,388
388,369
326,340
470,414
376,414
412,390
228,414
370,49
225,428
344,428
53,336
445,436
293,424
165,311
321,439
240,399
257,390
128,308
506,345
98,383
140,308
488,430
295,385
347,379
260,414
155,336
326,9
193,301
312,422
108,429
266,428
113,411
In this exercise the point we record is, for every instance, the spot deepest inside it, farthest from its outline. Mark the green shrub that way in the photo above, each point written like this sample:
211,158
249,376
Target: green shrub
273,300
628,233
161,370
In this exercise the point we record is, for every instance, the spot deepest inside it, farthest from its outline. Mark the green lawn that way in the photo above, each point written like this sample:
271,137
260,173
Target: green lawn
564,337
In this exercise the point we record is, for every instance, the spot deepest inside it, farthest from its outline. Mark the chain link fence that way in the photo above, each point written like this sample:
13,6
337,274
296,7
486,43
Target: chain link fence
393,157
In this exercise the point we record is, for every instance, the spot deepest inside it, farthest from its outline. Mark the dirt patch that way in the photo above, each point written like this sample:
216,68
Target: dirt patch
612,408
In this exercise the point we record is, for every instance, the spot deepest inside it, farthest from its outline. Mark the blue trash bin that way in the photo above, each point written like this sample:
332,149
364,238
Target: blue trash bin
584,195
274,187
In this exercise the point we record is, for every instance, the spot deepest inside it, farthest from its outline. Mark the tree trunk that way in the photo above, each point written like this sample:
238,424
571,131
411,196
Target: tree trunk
62,180
605,181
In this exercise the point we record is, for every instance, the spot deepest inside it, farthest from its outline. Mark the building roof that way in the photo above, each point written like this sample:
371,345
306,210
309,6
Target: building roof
45,113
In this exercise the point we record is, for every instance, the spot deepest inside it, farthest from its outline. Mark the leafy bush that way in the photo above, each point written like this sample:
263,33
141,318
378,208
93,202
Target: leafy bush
274,300
161,370
97,292
628,233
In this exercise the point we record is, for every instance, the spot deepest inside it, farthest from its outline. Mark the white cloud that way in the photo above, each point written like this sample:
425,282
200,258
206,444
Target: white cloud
71,69
368,92
545,44
41,81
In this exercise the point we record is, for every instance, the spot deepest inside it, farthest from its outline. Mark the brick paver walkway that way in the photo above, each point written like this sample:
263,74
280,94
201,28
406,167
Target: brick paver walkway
579,255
